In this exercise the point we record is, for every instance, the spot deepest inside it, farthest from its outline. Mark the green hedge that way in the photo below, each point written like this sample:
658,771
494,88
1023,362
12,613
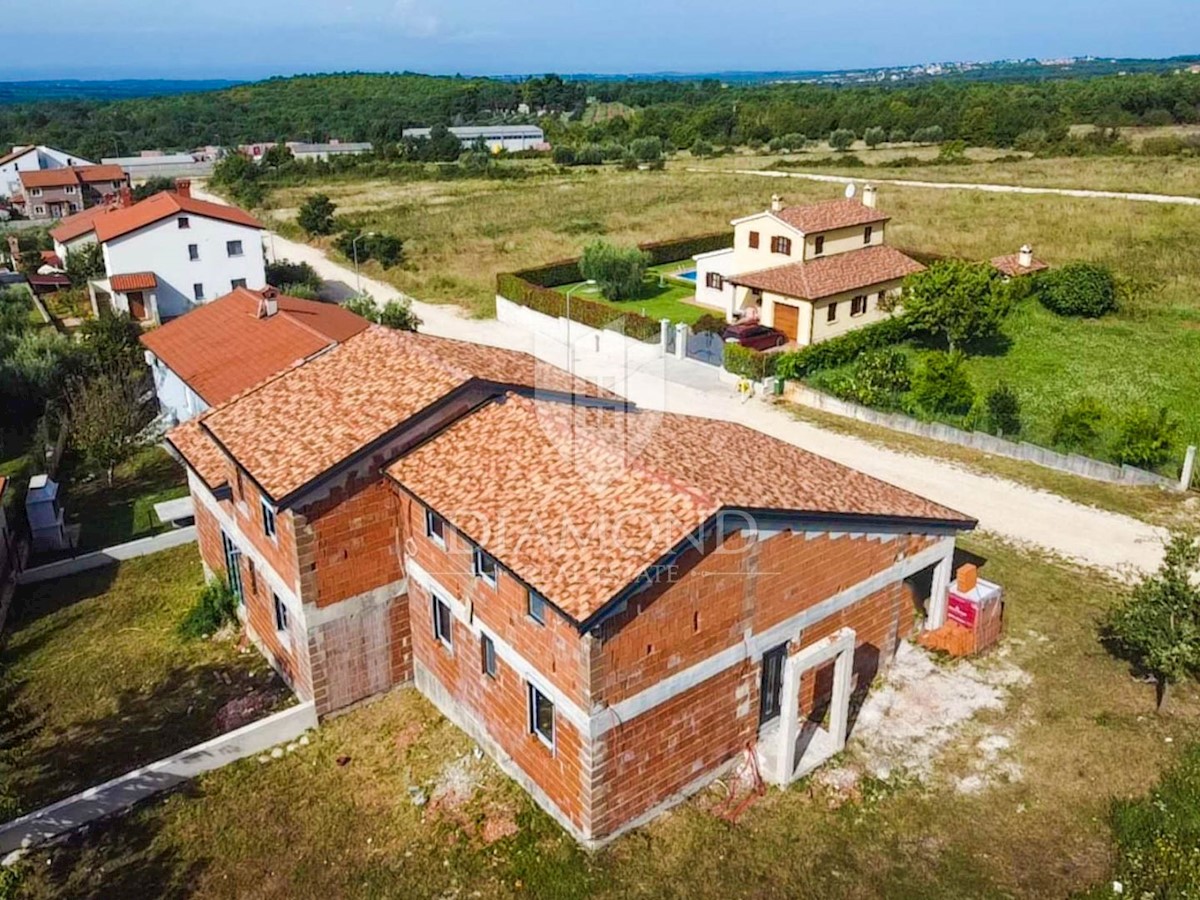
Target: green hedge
843,349
749,363
587,312
566,271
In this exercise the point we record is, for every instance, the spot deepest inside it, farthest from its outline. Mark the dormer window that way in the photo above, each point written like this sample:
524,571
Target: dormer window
782,245
818,245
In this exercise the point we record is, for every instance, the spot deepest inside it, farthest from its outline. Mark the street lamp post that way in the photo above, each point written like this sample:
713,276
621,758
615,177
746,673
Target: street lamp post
354,250
570,348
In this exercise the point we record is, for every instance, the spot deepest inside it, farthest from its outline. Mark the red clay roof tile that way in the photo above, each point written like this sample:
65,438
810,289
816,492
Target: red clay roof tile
1010,265
133,281
831,275
120,222
200,452
830,214
78,224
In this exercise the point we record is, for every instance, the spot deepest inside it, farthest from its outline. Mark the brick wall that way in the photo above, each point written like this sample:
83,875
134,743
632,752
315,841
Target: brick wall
500,707
246,510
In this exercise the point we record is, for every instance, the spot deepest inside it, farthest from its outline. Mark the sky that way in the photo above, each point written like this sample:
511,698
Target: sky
247,39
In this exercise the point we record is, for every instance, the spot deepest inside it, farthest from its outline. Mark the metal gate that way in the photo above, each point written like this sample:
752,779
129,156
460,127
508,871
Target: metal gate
707,347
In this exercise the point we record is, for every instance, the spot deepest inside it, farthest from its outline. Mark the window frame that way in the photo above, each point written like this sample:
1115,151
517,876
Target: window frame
868,233
781,245
198,291
854,303
269,523
478,556
533,694
819,245
715,281
831,312
282,619
193,253
438,534
443,633
241,250
35,192
754,239
183,222
236,283
487,656
535,600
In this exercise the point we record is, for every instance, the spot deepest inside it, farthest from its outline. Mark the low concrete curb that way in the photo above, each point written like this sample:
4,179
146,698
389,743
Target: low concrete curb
124,791
109,555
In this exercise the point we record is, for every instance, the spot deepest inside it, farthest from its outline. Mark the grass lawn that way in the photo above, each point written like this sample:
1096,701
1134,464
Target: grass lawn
1082,731
661,297
95,679
125,510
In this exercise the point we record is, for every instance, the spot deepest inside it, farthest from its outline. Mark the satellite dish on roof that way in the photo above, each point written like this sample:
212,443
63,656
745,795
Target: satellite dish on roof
850,191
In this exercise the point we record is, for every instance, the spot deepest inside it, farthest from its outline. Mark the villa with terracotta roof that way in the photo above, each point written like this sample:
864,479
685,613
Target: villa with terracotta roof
32,158
810,272
63,191
226,347
167,254
609,600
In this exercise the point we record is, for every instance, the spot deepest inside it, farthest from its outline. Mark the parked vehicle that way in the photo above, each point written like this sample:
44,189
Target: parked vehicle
754,335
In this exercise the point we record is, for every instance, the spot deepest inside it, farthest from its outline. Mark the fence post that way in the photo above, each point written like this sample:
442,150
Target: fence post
664,335
681,340
1189,468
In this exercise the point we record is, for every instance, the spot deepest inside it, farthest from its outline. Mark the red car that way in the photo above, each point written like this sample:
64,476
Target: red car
754,335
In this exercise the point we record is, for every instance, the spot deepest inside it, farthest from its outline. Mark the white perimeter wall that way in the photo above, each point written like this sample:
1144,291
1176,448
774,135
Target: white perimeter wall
162,248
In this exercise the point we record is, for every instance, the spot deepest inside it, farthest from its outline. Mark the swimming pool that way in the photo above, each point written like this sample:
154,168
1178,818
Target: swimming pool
689,275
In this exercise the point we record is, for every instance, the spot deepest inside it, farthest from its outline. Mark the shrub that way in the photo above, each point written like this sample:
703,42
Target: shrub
874,136
1077,427
619,271
629,162
398,314
877,379
709,324
563,155
841,350
794,141
749,363
701,148
956,300
1145,438
216,606
841,139
385,249
942,385
1004,410
300,291
898,136
591,155
931,134
316,214
1078,289
517,289
285,272
646,149
362,305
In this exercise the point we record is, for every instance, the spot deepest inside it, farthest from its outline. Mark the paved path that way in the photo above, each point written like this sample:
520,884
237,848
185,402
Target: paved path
963,186
1012,511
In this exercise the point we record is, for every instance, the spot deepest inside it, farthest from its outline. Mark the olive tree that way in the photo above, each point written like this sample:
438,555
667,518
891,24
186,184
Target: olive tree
619,271
958,301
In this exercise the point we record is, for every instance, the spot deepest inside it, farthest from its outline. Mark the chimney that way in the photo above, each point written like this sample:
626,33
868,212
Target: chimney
1025,257
776,203
270,303
870,196
183,187
126,196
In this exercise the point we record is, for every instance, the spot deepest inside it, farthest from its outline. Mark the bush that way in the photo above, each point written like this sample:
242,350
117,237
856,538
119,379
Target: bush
931,134
1077,427
841,350
647,149
517,289
563,155
316,215
709,324
701,148
362,305
398,314
956,300
1145,438
794,141
877,379
942,385
841,139
874,136
285,272
385,249
216,606
898,136
591,155
1078,289
749,363
619,271
1004,411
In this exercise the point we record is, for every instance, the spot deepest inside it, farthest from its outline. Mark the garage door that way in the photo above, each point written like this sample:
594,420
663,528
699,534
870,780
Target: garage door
787,320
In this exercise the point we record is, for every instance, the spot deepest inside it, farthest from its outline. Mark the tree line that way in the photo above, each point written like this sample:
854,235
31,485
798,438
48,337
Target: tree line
378,107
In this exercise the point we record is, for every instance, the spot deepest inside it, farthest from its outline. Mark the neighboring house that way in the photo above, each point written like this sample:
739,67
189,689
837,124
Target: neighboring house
78,229
31,159
56,193
168,253
811,272
614,603
225,347
512,138
309,152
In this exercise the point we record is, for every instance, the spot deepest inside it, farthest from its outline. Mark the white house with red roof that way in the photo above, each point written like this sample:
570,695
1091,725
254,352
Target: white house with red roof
32,158
167,254
811,272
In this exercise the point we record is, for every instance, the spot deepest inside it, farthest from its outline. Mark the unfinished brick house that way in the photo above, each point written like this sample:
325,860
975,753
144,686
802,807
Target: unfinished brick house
615,603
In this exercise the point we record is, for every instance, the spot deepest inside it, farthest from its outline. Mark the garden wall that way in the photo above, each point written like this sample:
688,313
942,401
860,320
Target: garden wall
1064,462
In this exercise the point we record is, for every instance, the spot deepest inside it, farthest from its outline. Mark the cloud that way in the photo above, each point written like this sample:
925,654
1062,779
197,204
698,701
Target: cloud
414,20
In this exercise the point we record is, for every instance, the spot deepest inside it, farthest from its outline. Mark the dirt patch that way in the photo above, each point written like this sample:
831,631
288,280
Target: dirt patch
246,709
919,711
